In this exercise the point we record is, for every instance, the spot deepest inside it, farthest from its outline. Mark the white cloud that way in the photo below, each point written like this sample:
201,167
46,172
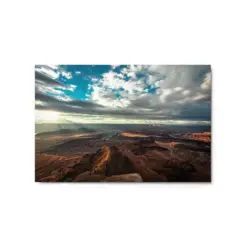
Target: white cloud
49,71
152,79
47,89
112,80
206,84
94,79
53,71
71,87
107,98
38,102
64,98
186,92
78,72
54,67
178,89
199,97
164,94
67,75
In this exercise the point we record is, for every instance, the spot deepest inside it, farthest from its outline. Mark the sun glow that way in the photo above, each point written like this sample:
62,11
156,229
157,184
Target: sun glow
47,116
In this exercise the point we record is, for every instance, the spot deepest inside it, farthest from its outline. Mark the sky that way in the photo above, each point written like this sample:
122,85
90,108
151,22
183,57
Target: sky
134,94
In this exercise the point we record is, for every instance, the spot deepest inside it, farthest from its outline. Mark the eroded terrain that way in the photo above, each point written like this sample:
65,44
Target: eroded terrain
123,156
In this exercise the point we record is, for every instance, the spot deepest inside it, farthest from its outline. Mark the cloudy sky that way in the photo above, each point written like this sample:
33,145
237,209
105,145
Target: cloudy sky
123,94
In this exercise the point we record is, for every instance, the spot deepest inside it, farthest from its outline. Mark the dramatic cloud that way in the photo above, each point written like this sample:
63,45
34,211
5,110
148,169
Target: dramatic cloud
54,71
45,79
144,92
46,82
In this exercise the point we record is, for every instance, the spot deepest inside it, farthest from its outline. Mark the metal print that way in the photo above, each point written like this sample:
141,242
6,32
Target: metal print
123,123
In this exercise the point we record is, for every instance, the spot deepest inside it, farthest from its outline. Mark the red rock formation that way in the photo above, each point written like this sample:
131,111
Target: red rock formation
202,136
149,161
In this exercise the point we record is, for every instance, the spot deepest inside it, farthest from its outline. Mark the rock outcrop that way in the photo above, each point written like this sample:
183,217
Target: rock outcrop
131,177
142,160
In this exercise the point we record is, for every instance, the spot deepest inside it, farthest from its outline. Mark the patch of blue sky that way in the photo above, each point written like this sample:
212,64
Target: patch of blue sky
118,96
88,70
150,89
85,75
81,79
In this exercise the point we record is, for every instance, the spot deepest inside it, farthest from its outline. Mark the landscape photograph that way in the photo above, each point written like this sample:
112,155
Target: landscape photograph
123,123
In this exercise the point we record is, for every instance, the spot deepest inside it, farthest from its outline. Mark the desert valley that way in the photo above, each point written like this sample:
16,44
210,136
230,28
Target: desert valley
120,153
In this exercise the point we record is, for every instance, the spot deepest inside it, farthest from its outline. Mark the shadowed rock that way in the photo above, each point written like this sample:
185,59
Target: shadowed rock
89,177
141,160
131,177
